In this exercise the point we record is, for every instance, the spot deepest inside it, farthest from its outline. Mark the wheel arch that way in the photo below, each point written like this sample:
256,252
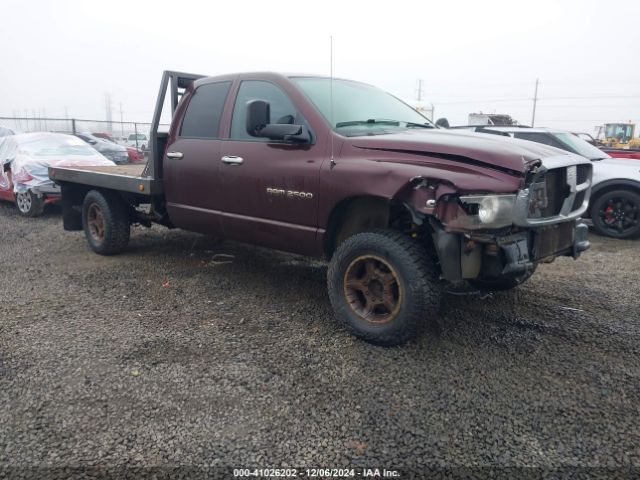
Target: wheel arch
73,195
361,213
610,185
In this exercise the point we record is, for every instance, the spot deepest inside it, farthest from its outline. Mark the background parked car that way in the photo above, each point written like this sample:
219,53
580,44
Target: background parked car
113,151
135,155
104,136
614,207
4,131
25,159
138,140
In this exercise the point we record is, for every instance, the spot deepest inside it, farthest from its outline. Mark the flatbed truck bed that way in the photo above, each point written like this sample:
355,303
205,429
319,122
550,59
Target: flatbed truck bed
125,178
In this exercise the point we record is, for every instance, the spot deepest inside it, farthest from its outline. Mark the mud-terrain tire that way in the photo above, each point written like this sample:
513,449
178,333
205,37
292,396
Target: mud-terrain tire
383,286
616,214
29,204
499,284
106,222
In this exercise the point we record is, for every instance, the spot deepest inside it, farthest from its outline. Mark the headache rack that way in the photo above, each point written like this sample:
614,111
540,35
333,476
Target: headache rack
140,179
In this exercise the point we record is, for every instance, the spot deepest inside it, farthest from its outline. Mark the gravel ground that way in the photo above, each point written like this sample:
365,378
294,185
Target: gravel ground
166,355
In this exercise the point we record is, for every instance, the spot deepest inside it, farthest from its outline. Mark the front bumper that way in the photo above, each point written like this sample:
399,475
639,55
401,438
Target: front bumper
495,254
524,249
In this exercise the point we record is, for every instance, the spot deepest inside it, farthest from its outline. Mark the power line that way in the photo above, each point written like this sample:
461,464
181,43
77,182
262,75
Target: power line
590,97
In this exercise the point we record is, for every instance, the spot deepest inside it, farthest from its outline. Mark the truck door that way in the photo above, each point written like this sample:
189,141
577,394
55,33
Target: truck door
192,161
269,189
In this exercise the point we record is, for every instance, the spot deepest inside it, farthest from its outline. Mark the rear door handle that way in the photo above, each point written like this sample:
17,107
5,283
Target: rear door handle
232,160
175,155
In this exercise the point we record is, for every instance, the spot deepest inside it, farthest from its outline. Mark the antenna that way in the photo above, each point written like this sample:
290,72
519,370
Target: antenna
333,162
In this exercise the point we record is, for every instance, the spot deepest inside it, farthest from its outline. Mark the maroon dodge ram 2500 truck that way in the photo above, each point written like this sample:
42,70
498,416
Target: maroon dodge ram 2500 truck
336,169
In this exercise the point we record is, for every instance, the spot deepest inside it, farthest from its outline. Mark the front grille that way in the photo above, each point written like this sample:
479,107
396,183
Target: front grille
583,173
555,195
556,189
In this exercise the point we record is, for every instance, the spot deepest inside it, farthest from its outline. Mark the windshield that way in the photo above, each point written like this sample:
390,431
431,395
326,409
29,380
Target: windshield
622,131
580,146
139,136
360,109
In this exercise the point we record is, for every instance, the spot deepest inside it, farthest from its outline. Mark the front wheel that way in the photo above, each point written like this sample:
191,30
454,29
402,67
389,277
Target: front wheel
106,222
617,214
383,285
29,204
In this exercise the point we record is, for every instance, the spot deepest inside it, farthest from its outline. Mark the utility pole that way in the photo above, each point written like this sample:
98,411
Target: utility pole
535,101
419,89
107,105
121,123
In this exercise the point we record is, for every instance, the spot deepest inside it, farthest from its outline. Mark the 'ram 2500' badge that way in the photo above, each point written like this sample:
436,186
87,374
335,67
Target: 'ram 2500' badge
279,192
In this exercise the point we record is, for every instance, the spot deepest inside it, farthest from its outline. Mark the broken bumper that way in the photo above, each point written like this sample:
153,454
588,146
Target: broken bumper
526,248
491,254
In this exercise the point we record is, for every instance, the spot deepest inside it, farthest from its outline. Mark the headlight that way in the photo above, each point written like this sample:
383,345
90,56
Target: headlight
485,211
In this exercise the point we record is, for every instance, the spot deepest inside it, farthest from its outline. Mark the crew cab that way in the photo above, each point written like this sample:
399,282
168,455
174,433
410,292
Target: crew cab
337,169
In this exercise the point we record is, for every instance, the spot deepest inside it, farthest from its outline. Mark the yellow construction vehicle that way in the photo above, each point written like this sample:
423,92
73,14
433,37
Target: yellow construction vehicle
619,135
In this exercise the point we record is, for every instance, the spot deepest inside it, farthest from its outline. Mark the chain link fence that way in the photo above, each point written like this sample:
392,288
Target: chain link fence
133,134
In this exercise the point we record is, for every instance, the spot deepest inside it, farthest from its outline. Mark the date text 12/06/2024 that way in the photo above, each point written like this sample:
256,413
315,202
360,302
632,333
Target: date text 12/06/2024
316,472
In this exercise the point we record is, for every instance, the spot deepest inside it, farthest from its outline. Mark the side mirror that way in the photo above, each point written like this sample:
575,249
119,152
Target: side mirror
258,116
258,124
442,123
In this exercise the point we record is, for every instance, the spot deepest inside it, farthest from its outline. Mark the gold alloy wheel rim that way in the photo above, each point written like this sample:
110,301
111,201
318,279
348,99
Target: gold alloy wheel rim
372,289
95,221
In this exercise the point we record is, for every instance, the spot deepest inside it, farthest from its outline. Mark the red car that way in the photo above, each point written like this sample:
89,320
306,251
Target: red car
25,160
135,155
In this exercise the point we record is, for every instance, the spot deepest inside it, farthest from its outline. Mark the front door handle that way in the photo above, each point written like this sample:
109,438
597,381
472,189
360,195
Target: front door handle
175,155
232,160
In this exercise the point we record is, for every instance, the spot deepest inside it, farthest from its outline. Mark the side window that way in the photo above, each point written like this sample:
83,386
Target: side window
540,138
202,118
282,109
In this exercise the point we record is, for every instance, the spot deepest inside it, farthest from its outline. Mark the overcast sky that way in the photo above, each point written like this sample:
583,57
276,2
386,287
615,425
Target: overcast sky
471,55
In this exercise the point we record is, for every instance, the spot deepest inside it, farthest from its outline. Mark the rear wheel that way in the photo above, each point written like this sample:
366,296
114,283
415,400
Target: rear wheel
29,204
617,214
383,285
105,218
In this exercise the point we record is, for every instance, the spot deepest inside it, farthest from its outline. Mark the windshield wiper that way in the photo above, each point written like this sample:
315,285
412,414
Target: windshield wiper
380,121
418,125
383,121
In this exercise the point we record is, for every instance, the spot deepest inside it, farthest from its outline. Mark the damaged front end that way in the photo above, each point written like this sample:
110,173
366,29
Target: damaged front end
491,236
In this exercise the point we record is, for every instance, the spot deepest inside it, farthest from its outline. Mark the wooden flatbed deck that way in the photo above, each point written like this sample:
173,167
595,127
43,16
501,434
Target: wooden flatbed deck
124,178
132,170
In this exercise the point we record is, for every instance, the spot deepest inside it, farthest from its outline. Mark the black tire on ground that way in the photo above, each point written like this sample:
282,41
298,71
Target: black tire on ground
616,213
29,204
106,222
502,283
383,286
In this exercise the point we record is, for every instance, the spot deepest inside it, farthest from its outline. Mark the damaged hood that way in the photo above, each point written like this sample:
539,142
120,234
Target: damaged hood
491,151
